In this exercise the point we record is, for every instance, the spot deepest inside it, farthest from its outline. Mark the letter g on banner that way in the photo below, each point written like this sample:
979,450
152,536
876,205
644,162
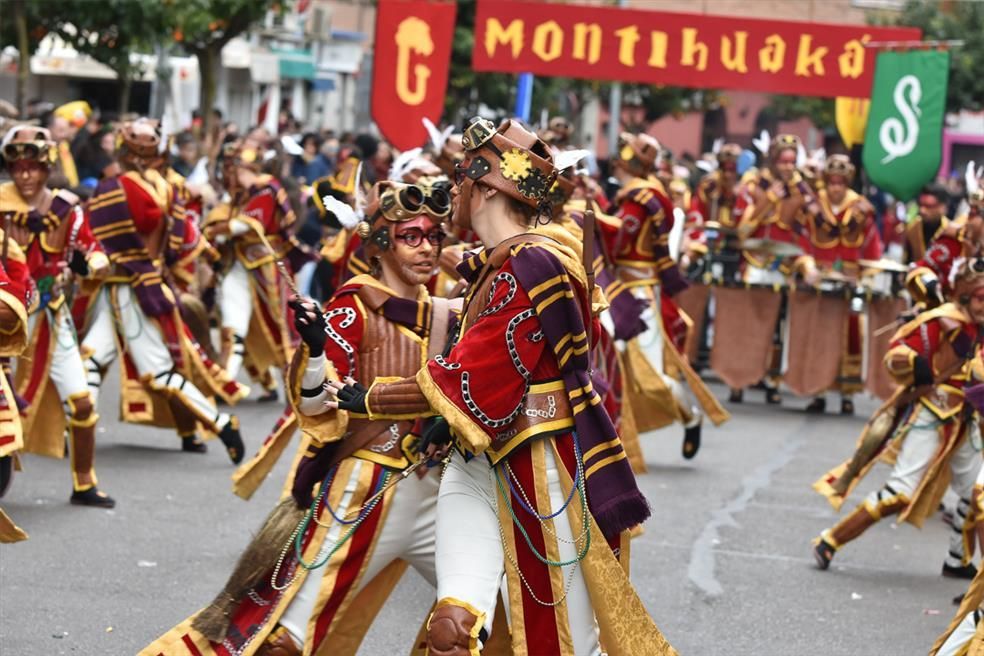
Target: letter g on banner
410,67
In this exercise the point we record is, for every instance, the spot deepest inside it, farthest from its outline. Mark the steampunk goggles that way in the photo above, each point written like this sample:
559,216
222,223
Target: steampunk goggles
26,150
405,201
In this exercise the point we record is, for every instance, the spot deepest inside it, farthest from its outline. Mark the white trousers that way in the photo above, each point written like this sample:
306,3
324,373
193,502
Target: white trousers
470,558
407,533
918,450
956,644
146,348
67,372
236,306
651,341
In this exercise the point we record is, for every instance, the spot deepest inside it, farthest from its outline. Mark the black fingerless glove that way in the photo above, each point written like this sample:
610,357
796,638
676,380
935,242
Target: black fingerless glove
438,433
78,263
312,332
353,398
922,372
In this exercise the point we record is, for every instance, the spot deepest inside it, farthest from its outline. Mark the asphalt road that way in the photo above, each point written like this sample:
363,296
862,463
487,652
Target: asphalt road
724,565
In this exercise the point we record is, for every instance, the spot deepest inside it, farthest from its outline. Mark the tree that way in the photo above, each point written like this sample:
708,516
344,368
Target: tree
204,27
962,21
109,31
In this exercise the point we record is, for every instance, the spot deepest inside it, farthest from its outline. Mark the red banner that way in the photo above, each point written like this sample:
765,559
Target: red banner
686,50
410,67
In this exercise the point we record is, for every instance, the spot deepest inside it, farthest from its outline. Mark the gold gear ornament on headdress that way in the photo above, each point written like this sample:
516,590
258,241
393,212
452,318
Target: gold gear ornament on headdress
515,164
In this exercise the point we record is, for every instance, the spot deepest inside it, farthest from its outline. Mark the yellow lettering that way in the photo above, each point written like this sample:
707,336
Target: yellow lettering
628,37
807,58
736,61
496,35
587,42
657,57
694,51
548,40
412,37
851,61
772,54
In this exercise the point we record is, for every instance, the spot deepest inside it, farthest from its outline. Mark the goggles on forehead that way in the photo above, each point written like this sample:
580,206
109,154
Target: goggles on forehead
21,150
401,203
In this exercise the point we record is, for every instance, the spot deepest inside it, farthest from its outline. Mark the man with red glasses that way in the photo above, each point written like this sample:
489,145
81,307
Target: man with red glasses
53,232
925,429
539,491
361,529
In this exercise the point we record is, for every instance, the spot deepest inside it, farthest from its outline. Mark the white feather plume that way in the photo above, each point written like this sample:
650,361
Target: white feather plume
801,156
437,137
565,159
706,165
291,147
347,216
717,145
971,176
404,164
360,194
762,143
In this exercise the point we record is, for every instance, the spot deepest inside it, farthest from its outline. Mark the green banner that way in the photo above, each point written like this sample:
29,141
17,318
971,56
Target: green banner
903,142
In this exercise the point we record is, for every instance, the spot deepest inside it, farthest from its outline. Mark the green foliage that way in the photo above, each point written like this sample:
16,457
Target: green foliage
203,24
954,20
819,110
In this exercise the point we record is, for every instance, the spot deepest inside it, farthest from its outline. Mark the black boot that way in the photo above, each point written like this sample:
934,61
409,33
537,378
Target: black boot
772,396
736,396
847,406
817,406
269,397
6,474
233,440
691,440
92,498
824,552
192,444
967,571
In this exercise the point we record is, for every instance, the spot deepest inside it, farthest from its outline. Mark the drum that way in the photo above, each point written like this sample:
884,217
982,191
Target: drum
816,336
745,320
881,312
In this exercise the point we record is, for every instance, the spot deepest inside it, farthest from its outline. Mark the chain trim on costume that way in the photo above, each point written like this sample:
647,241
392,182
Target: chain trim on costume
444,364
390,443
509,280
347,320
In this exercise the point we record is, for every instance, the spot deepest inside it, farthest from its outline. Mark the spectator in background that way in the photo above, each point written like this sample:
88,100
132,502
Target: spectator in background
93,149
187,154
311,164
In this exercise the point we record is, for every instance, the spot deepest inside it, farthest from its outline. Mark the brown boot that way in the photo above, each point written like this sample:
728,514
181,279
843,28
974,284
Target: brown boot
82,451
279,643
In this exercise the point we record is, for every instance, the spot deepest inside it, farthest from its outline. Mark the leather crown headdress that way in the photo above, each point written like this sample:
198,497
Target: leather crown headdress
510,159
839,165
784,142
728,156
140,139
637,153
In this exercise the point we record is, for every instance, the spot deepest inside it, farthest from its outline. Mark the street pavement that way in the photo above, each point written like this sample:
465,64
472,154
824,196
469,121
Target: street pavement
724,565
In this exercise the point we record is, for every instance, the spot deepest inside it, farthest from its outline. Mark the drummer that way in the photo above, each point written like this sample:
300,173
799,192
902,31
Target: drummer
774,222
842,232
715,207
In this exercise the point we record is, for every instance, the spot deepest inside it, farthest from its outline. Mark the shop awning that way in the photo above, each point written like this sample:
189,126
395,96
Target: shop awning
295,64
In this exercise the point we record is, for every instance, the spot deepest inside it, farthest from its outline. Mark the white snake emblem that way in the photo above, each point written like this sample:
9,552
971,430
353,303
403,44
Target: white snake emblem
896,139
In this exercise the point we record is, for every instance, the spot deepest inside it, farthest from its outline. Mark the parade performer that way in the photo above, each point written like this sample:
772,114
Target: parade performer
716,204
540,491
53,234
13,339
925,428
354,543
928,224
252,299
639,247
842,232
164,376
778,195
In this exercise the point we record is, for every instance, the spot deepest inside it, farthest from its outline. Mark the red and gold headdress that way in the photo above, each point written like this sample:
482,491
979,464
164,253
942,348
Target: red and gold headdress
637,154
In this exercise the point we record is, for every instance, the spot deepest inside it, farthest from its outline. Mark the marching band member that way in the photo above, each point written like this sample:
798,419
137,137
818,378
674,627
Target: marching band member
842,233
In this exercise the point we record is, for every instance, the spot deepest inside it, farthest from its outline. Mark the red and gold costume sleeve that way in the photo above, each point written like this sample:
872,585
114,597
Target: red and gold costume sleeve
13,302
916,354
936,264
482,384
